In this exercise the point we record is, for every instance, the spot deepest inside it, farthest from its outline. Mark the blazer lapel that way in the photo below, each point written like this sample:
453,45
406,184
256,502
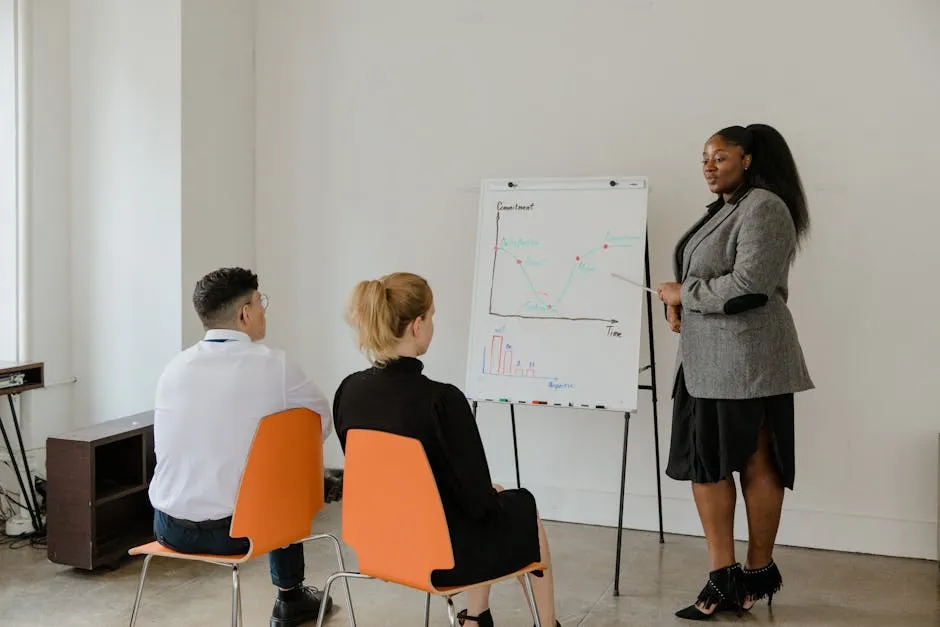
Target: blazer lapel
704,232
682,247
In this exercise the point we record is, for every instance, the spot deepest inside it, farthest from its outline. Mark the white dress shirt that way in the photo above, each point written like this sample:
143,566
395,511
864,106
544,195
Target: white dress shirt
209,401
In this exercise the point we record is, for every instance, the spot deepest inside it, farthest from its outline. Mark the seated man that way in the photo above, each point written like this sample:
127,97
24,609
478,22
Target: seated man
209,401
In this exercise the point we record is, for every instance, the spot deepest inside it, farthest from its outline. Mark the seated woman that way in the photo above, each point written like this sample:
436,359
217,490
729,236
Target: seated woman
493,531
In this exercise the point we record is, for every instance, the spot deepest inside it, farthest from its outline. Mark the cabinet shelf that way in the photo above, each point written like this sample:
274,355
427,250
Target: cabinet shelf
120,494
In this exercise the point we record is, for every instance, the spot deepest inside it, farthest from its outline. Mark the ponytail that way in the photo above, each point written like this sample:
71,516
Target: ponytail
380,311
772,168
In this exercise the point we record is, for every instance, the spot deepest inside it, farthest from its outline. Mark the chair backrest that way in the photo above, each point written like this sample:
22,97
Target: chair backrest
392,512
281,487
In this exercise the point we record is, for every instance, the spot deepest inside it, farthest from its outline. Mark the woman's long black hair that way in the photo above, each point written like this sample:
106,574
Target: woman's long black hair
772,168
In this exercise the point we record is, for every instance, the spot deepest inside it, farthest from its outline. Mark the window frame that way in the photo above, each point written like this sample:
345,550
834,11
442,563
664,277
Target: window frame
11,188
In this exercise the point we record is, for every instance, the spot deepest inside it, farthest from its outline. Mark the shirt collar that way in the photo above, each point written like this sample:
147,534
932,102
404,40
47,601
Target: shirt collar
735,199
226,334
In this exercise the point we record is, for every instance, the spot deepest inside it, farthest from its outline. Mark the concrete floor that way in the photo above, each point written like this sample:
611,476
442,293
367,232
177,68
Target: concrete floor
820,588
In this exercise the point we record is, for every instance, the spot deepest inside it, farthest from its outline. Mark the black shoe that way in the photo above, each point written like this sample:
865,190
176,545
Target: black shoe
760,583
297,606
483,620
724,592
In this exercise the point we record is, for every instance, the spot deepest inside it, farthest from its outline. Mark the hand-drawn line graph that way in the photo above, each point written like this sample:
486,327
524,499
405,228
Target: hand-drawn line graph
555,280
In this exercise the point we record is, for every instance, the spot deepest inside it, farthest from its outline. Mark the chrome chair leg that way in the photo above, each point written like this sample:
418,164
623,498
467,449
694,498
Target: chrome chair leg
451,612
329,584
140,589
342,567
427,611
236,597
532,606
241,618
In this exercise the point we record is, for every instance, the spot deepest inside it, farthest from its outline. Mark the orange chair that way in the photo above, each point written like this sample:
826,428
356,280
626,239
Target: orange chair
270,511
394,520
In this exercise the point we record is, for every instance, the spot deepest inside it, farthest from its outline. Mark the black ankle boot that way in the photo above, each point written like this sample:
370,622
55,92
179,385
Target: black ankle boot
723,592
297,606
760,583
483,620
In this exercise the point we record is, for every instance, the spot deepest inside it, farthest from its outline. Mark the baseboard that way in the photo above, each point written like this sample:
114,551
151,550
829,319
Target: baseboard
799,528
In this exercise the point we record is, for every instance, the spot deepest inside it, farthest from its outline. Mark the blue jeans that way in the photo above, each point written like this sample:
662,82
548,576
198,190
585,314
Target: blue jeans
287,564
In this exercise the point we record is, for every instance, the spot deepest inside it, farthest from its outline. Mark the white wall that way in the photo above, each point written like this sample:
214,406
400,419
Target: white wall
48,334
183,142
159,139
126,201
376,120
45,331
218,100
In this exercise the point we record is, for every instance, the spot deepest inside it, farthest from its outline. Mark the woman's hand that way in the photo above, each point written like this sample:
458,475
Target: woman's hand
670,293
674,317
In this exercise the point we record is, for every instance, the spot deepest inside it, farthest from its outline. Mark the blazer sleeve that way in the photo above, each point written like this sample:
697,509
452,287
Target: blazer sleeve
764,247
463,452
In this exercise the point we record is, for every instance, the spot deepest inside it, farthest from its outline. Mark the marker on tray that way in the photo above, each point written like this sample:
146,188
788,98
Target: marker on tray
540,402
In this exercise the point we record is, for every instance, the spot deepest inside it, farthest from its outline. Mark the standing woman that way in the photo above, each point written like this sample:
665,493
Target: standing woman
740,360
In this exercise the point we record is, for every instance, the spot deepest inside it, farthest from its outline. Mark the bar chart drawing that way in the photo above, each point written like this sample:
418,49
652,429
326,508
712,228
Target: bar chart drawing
498,360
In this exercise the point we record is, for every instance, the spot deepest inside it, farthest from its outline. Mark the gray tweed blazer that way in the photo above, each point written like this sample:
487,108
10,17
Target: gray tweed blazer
737,338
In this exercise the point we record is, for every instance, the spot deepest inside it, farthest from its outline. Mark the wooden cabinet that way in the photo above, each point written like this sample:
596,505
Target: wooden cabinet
97,504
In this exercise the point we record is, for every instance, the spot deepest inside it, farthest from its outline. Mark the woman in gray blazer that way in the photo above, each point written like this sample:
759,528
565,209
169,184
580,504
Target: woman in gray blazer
740,360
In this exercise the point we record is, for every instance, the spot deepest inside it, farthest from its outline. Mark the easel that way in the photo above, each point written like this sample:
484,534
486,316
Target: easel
626,433
32,375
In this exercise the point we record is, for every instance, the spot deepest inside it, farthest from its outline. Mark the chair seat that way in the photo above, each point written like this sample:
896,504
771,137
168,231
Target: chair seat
155,548
449,591
518,573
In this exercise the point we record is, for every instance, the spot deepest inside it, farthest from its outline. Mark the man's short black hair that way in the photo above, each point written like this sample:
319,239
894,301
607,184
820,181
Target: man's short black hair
219,294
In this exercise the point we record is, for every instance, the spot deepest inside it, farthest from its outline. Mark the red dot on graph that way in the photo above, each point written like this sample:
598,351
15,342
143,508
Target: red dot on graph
578,258
518,260
549,306
605,246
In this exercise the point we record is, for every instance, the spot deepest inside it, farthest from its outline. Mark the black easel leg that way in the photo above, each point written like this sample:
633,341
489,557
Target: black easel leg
515,443
649,320
623,489
27,490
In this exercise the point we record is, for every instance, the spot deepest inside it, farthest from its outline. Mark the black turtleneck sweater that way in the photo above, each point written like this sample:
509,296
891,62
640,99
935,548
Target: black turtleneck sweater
492,533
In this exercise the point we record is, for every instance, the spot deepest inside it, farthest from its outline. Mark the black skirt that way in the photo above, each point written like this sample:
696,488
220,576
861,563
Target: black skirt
497,547
713,438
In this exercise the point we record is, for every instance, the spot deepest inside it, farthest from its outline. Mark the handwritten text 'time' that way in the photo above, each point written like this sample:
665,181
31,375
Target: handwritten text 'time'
500,206
611,332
